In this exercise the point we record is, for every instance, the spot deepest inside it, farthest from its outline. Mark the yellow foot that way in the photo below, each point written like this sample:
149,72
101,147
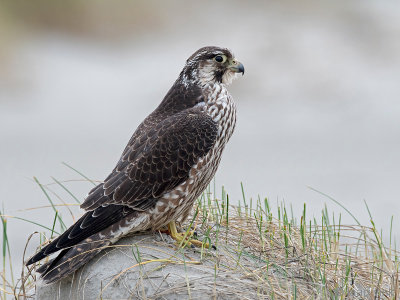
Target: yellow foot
183,238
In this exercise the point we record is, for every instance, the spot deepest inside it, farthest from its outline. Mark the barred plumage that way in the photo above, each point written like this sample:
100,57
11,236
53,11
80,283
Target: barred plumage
168,162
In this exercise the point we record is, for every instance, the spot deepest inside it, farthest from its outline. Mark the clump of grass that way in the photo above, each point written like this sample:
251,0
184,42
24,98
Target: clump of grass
309,259
266,256
263,254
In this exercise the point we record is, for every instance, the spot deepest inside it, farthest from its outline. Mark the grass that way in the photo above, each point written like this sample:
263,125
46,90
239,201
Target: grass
267,254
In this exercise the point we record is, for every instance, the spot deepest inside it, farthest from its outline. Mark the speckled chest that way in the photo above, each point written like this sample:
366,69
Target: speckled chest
222,110
176,204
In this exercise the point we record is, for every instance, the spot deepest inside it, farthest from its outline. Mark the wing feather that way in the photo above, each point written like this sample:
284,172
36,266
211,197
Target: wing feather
157,160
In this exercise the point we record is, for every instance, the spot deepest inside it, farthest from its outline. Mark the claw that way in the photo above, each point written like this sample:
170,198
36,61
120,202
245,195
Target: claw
180,238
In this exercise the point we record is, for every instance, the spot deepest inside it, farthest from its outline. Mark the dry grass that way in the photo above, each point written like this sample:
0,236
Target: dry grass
260,255
279,259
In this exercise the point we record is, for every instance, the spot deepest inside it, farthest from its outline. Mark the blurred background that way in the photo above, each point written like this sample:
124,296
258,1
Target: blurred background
319,105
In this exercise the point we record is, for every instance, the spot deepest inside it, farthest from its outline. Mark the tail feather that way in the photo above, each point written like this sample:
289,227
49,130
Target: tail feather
52,262
70,260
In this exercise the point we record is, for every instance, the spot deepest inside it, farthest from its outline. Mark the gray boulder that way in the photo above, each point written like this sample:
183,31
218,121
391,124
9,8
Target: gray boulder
147,266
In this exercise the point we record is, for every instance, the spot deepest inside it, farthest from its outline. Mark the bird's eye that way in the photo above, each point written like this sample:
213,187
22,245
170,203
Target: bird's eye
219,58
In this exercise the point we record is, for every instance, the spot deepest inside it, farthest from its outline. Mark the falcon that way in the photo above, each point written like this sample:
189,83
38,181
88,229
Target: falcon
168,162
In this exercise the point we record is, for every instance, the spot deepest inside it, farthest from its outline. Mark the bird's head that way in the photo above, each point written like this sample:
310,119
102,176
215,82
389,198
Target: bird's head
210,65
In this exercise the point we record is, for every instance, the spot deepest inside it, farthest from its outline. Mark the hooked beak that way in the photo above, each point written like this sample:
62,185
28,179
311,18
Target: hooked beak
236,67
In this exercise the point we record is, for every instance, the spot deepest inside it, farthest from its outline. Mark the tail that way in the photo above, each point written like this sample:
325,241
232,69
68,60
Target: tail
83,240
70,260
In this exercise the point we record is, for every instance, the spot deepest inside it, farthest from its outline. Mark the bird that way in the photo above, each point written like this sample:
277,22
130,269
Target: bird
169,161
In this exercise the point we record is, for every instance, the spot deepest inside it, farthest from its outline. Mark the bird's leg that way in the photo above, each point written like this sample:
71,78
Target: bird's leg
184,237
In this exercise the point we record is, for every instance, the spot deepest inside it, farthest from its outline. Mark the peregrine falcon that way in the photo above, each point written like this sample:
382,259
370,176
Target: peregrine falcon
168,162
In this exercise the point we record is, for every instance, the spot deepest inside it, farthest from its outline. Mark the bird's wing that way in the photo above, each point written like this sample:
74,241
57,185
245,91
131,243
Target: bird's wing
158,160
148,168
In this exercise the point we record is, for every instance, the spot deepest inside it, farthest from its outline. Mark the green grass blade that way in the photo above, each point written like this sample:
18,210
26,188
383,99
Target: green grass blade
35,223
80,173
63,227
67,190
337,202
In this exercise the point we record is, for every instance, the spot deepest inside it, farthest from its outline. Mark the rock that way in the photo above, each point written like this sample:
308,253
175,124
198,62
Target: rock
165,272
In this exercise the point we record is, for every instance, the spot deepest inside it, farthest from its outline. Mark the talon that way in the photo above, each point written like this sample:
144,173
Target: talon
180,238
